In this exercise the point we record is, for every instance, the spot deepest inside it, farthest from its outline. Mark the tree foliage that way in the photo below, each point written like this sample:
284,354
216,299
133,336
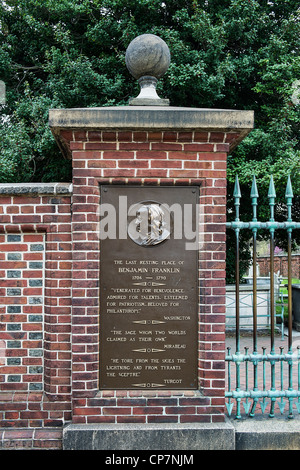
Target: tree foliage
241,54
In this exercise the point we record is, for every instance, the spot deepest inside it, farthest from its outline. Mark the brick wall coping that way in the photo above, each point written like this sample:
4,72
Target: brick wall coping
247,287
279,255
36,188
152,117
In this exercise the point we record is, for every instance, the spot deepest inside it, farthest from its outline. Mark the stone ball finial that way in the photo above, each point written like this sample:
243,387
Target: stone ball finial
147,55
147,59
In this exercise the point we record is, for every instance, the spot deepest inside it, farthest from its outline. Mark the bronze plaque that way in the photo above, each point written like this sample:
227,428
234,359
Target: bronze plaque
148,287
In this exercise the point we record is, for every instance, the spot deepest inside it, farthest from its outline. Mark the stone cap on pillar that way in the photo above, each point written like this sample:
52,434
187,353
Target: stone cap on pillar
150,118
147,59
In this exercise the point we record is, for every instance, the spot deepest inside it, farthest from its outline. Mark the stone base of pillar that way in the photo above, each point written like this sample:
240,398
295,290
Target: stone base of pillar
206,436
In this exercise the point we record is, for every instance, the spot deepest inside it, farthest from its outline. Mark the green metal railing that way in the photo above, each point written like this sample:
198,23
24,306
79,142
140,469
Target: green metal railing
281,364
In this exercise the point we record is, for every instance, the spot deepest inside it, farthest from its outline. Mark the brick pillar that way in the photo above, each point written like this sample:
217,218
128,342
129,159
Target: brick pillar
148,146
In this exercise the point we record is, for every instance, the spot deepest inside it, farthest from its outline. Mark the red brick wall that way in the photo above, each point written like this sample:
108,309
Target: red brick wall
35,306
62,385
22,299
280,264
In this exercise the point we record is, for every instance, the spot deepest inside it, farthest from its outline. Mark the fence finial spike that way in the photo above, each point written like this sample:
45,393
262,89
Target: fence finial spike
254,191
272,192
289,189
237,191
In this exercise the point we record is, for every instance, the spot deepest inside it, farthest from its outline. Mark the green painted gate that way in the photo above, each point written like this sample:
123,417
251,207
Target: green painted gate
260,381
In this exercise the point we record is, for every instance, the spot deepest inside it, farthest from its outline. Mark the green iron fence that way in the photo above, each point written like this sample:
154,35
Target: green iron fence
262,378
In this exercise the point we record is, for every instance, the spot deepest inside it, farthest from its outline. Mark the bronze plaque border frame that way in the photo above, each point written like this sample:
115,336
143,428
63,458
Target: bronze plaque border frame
199,184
